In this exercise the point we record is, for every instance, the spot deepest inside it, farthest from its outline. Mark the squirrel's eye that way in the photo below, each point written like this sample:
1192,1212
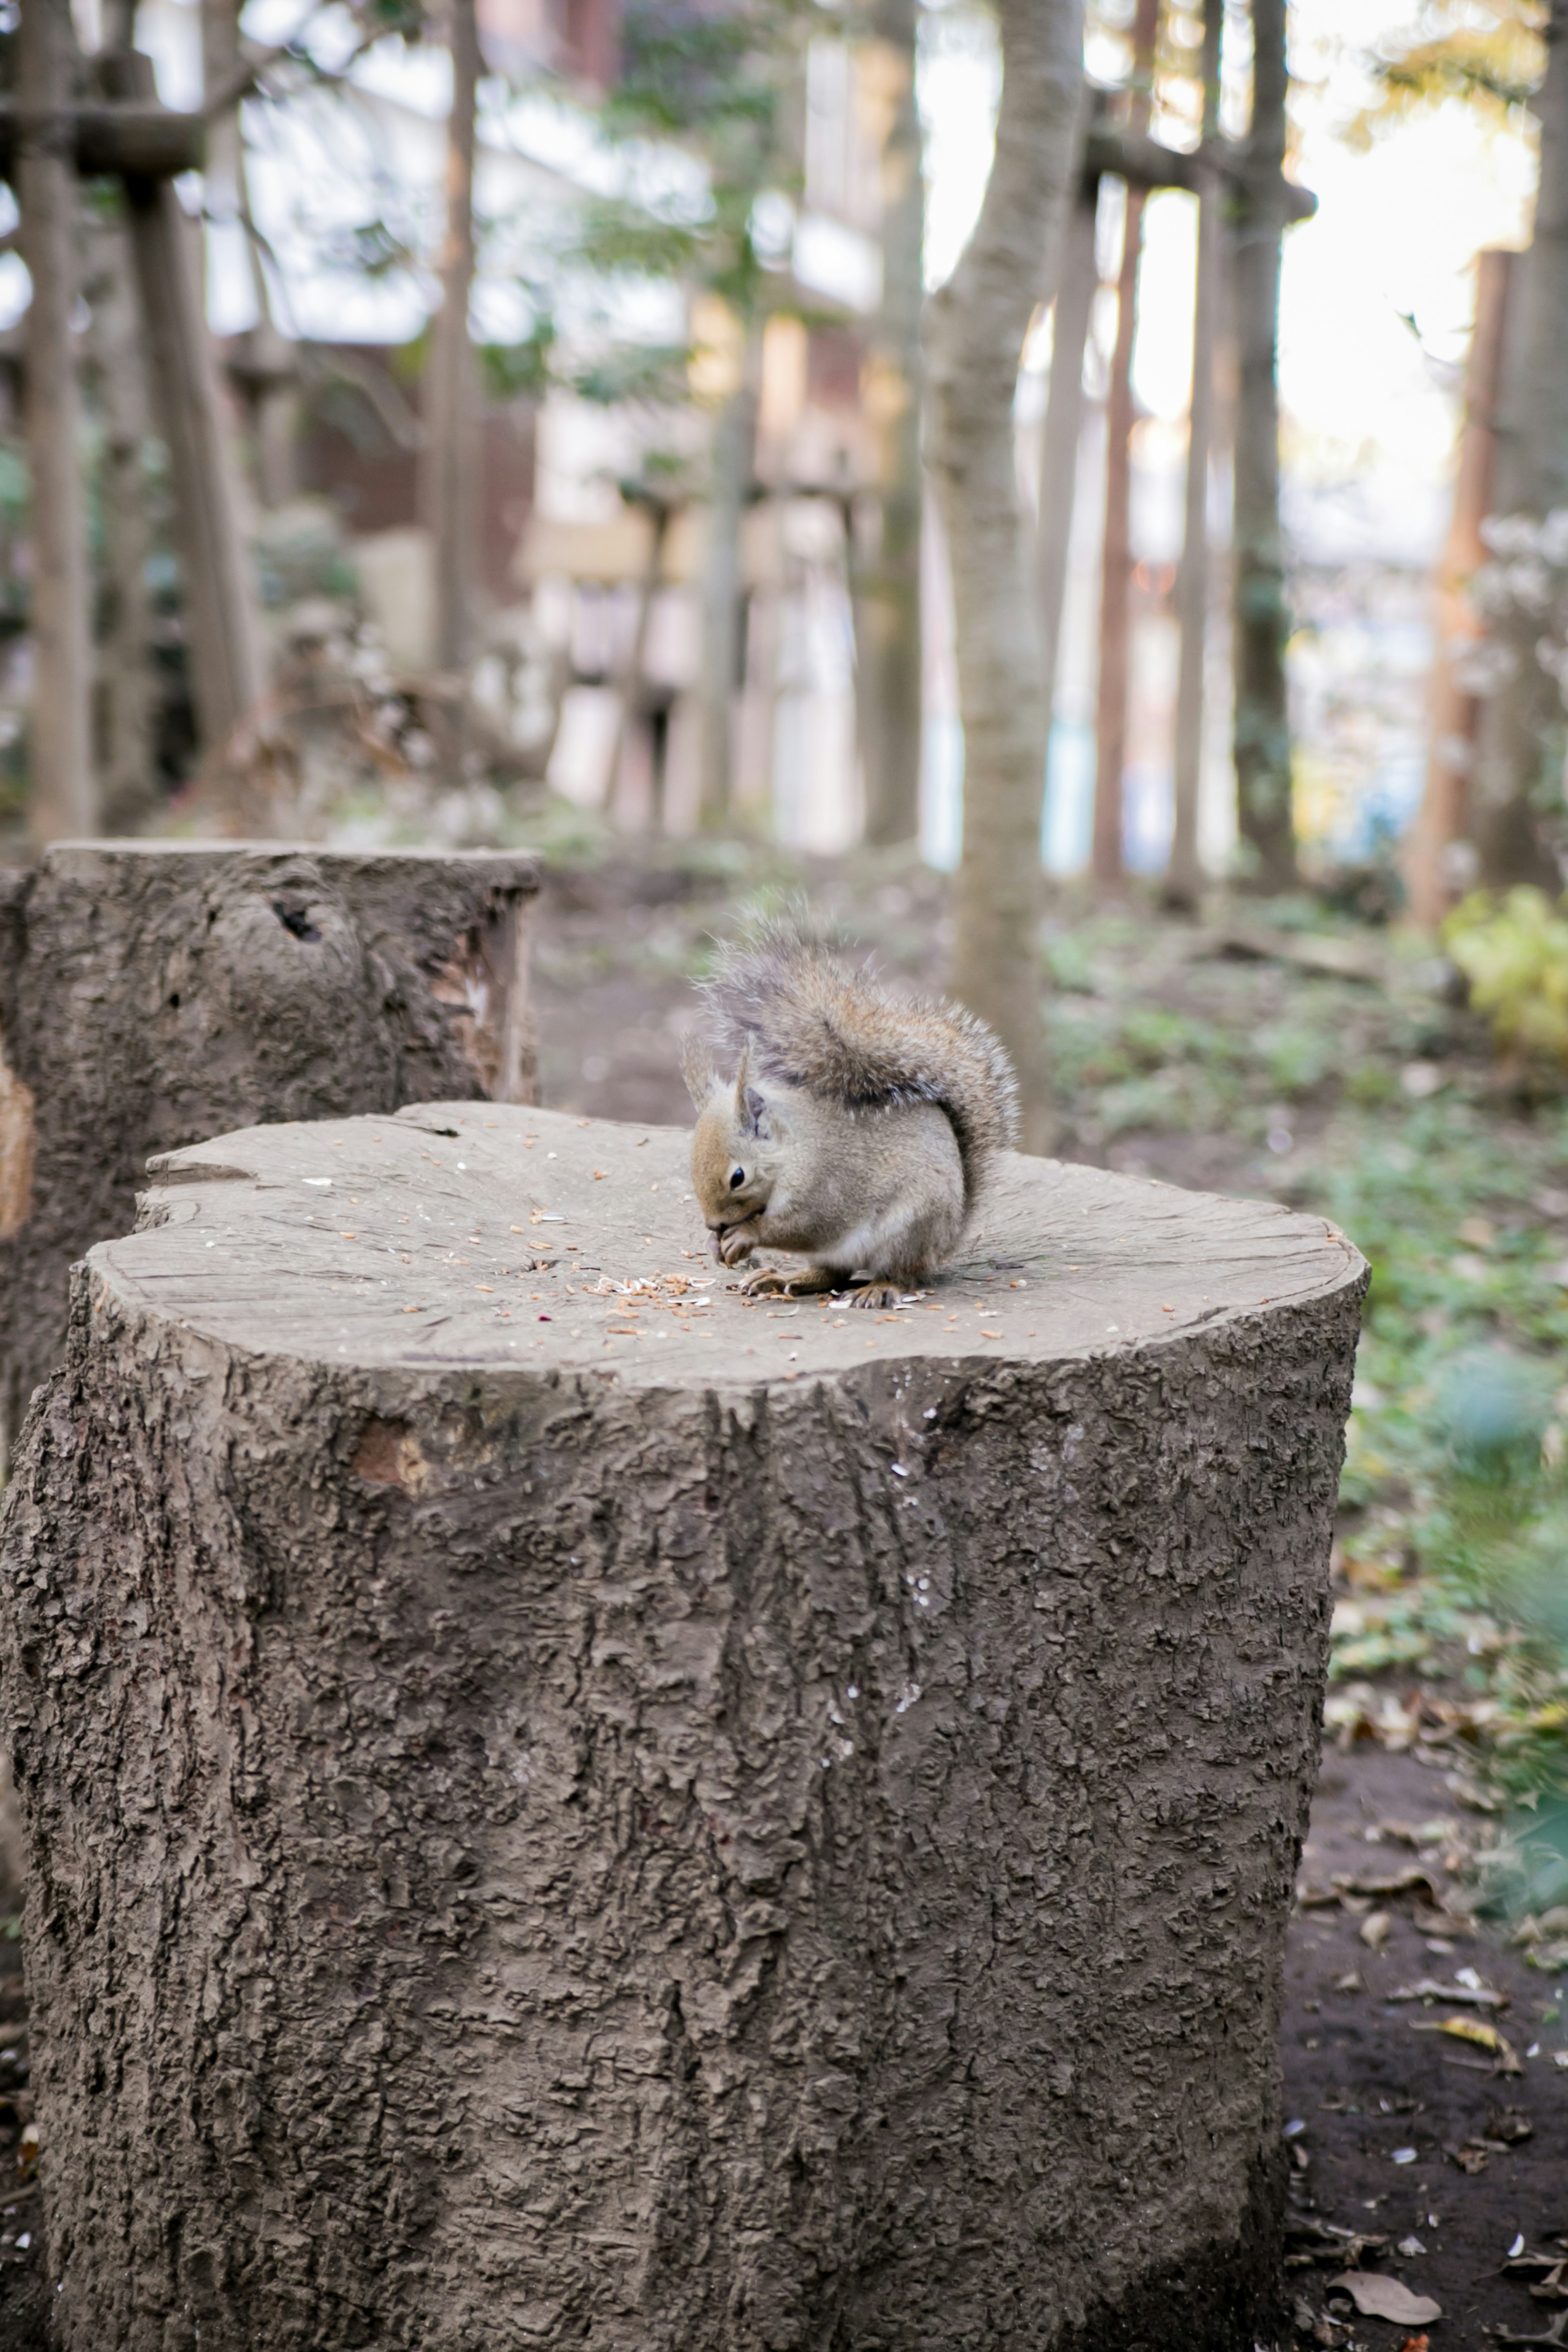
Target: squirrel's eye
736,1178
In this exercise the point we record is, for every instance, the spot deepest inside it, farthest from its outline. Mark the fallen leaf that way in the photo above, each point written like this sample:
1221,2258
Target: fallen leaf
1374,1929
1376,2296
1468,2159
1484,2037
1461,1995
1416,2344
1399,1882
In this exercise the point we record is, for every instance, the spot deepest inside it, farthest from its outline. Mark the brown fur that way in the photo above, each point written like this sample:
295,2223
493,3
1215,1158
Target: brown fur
858,1129
809,1023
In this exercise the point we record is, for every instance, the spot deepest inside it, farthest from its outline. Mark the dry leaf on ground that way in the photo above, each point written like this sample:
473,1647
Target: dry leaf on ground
1376,2296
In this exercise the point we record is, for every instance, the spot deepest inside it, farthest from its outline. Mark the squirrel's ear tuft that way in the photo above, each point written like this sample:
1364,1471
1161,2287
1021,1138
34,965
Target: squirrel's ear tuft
698,1069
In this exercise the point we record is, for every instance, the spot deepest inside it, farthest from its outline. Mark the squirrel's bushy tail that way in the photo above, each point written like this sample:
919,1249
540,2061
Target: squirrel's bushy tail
809,1022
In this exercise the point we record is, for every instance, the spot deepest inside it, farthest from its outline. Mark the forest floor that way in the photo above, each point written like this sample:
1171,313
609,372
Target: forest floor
1294,1053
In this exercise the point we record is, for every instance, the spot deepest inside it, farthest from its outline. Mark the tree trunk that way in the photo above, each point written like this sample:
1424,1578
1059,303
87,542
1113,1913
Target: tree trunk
127,687
1520,764
733,462
1061,431
976,329
1117,562
1184,875
150,994
223,620
560,1819
889,589
62,798
1116,554
270,370
1262,625
450,469
630,685
1445,816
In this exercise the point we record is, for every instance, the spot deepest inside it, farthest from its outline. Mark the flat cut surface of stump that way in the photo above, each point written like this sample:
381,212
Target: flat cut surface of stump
409,1241
569,1808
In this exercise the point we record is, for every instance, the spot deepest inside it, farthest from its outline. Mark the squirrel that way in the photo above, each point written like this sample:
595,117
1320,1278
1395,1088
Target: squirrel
859,1128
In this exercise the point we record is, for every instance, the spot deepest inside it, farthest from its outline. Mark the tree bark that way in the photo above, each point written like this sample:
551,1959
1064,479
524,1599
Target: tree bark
1116,554
126,696
1520,770
1445,816
153,993
684,1832
1061,431
1261,623
62,798
975,333
1184,874
889,589
223,620
450,469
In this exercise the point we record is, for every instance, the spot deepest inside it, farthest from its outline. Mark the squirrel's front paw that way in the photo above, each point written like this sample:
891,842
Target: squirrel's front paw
735,1244
875,1294
767,1282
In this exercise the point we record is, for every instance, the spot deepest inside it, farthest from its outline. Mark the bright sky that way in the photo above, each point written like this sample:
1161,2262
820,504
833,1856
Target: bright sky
1368,399
1367,395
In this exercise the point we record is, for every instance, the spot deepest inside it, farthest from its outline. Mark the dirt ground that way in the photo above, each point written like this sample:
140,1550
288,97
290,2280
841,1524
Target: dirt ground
1368,2075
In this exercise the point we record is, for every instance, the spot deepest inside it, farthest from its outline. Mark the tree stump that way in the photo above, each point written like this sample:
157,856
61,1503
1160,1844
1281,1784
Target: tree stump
566,1807
154,993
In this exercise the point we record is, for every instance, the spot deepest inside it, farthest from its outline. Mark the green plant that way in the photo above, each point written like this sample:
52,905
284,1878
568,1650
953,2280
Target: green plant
1515,957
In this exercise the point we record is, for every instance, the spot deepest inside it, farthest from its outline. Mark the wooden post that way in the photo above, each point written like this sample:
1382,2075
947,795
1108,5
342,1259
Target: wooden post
1116,557
1184,875
1061,429
63,800
557,1819
449,469
1455,714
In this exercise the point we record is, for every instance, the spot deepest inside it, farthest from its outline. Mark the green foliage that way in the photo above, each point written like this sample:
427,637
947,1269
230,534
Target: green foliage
1489,54
1514,954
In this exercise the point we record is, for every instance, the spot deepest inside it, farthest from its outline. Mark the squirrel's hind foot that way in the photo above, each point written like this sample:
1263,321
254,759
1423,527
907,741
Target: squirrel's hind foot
774,1282
875,1294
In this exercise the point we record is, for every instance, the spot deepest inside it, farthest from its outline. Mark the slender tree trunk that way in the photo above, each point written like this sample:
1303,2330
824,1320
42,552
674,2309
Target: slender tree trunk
1261,623
733,458
269,366
1521,764
125,700
630,682
1062,430
450,469
889,589
976,327
62,797
1445,815
1117,562
1184,875
222,619
1116,559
